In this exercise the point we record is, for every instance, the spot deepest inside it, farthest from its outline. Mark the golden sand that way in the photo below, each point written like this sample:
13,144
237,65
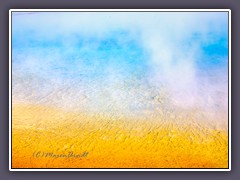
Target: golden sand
112,142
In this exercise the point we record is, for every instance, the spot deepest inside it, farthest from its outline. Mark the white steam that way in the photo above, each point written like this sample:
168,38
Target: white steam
165,36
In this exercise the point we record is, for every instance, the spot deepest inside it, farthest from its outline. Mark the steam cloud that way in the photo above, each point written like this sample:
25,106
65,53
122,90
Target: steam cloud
121,61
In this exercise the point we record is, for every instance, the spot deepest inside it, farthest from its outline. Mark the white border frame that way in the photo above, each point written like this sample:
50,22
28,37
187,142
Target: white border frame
130,10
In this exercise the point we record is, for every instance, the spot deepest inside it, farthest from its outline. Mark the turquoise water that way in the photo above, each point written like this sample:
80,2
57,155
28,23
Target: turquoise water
122,64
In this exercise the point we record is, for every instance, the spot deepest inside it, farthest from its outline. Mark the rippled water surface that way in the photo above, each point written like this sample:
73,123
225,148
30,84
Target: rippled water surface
61,60
133,89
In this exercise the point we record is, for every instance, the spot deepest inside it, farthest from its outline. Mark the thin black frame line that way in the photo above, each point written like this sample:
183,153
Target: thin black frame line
113,11
11,91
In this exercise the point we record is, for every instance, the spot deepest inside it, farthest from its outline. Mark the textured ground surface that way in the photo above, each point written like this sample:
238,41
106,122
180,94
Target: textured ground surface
123,89
165,141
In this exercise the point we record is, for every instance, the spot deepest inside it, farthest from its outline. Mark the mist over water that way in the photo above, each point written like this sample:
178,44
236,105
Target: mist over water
126,63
